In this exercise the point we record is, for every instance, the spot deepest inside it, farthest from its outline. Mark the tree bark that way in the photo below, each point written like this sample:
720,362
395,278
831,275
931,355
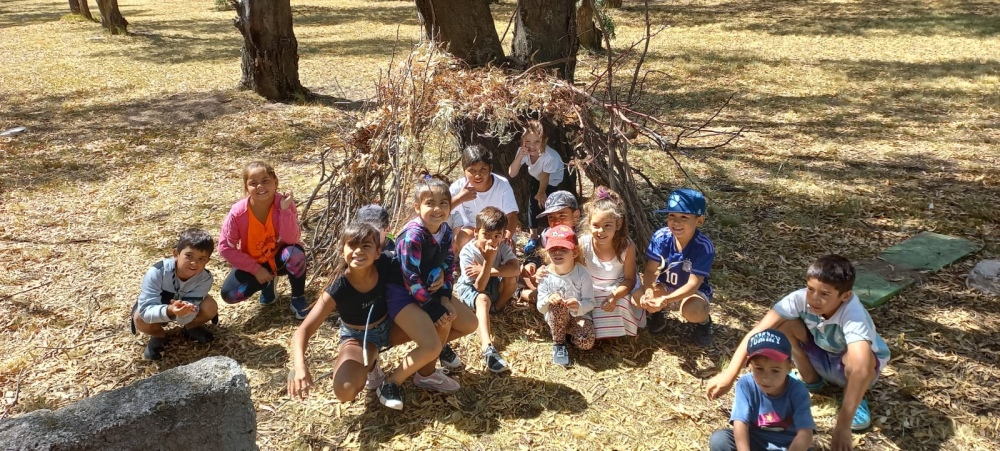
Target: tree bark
111,17
612,3
544,31
270,56
588,34
465,25
84,9
74,7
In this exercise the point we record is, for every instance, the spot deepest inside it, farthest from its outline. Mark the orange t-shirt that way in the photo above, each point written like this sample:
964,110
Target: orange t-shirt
262,243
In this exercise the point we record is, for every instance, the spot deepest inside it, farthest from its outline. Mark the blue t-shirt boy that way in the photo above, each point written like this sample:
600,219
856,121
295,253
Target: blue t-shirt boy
676,266
774,420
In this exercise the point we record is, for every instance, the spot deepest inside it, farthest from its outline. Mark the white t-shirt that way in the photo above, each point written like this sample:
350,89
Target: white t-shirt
500,195
549,161
470,254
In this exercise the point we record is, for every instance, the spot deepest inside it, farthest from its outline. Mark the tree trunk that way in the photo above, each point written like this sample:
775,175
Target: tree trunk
588,34
270,57
84,9
545,30
111,17
612,3
74,7
465,25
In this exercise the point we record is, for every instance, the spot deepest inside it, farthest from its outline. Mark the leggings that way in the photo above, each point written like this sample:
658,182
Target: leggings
290,261
581,329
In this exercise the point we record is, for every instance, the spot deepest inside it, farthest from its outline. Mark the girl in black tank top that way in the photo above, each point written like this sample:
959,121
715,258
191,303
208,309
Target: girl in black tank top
357,293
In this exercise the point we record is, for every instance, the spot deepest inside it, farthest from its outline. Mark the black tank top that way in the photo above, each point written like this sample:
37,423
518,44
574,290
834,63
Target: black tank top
353,306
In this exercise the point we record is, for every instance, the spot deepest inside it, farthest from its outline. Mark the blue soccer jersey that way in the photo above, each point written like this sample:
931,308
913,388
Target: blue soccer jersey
676,266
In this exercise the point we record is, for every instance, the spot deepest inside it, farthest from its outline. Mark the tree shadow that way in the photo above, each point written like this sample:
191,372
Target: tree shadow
15,13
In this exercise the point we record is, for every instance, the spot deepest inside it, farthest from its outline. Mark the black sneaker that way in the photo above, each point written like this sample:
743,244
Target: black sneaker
656,322
560,355
448,358
154,349
494,362
390,395
199,334
701,333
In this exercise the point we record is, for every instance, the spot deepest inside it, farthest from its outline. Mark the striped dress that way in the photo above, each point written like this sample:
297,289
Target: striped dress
625,319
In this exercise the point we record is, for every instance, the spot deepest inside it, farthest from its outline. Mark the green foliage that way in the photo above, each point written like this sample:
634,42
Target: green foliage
607,24
222,5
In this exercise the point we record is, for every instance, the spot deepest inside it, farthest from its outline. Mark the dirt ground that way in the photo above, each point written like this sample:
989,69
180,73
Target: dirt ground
867,122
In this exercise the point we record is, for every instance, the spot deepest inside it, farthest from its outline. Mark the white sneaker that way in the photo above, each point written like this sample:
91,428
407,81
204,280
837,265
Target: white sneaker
375,377
436,381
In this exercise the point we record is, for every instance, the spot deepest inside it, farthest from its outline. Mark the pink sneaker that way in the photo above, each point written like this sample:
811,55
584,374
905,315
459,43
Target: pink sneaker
437,381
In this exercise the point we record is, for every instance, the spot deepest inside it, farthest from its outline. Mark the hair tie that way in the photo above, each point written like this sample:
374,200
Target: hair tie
603,193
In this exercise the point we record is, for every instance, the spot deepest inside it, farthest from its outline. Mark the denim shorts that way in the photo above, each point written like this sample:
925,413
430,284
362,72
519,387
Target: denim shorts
829,366
397,298
467,293
377,335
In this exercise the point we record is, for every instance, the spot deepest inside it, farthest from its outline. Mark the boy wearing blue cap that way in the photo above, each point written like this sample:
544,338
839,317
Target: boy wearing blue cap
771,409
678,260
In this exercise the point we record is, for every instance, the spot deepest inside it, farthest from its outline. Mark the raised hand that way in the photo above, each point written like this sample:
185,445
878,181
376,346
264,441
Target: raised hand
287,200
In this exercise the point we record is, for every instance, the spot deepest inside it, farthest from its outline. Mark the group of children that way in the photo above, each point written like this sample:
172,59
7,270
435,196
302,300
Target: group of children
581,274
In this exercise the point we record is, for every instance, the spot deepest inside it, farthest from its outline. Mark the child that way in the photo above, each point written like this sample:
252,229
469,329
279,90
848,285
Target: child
260,238
771,409
546,169
378,217
176,289
678,260
423,306
561,208
610,258
566,295
833,340
478,189
485,262
357,292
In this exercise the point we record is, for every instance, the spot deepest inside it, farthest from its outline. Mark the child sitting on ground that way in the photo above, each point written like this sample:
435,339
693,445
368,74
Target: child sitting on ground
610,258
561,208
678,260
484,262
478,189
833,341
546,169
377,216
260,238
176,289
771,409
566,295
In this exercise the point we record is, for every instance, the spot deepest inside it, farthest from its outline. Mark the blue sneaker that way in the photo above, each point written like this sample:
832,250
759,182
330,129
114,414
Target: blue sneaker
300,307
812,387
530,246
267,294
862,417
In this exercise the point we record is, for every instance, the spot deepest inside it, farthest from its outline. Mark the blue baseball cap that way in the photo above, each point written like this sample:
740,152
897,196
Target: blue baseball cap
770,343
685,200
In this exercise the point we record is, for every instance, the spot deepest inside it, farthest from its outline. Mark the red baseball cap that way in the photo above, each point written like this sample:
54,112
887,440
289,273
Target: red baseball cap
560,236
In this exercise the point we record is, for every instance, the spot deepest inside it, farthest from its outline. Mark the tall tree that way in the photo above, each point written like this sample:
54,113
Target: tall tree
270,57
74,7
588,33
465,25
545,31
84,9
111,17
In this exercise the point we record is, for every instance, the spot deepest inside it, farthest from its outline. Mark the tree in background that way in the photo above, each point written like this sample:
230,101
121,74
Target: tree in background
545,32
111,17
465,25
80,7
270,55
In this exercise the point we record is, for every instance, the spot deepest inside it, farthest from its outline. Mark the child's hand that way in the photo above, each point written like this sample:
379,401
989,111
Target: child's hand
556,299
436,284
447,317
299,383
540,197
572,303
718,385
467,193
542,272
609,304
180,308
287,200
472,271
521,153
490,251
263,275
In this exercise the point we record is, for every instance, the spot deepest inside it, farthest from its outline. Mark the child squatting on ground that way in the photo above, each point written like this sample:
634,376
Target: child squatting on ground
610,258
260,238
357,292
176,289
477,189
678,261
833,341
546,169
423,308
566,295
485,262
561,208
771,409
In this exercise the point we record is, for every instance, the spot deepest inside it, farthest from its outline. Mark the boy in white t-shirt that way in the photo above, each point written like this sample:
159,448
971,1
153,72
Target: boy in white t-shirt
478,189
546,169
833,341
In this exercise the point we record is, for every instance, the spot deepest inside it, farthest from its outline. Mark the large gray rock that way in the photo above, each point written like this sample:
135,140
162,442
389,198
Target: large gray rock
204,405
985,277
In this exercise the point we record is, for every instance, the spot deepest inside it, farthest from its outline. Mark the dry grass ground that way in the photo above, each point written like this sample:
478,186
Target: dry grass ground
869,121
